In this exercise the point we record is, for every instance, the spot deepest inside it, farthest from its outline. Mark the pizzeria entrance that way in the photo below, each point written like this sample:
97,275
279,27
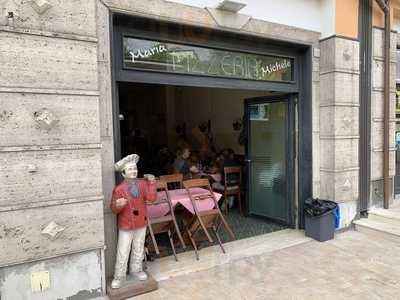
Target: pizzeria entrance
249,99
220,128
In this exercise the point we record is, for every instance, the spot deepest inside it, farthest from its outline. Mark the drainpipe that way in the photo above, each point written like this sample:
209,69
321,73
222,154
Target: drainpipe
385,6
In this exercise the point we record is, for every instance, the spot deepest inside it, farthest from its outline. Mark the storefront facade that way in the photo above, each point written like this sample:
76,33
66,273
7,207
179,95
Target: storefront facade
60,69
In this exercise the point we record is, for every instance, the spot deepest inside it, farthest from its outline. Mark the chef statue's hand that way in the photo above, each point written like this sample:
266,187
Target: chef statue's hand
121,202
149,177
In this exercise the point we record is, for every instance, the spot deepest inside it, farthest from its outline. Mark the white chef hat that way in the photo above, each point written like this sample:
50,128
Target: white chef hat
120,165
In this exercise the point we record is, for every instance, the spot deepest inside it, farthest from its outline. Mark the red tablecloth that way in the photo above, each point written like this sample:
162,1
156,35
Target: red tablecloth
181,196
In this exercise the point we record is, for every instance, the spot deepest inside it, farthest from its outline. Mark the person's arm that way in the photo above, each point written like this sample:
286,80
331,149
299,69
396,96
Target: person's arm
118,202
178,164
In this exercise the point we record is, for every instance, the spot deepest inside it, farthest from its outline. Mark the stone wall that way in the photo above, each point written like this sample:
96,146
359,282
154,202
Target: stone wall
56,137
339,128
51,197
377,98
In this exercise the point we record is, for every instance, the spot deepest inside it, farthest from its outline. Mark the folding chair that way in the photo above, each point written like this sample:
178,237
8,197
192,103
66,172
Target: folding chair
205,219
174,181
164,224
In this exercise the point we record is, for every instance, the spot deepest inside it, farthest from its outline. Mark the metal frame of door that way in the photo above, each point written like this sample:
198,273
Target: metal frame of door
290,140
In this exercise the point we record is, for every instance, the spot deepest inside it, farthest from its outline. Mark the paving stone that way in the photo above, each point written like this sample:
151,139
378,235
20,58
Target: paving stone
352,266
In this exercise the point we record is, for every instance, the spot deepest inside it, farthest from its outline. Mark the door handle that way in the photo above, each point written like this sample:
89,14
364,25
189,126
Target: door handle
248,160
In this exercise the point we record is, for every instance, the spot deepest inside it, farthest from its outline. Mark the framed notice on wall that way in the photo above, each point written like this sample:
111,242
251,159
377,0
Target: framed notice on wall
259,112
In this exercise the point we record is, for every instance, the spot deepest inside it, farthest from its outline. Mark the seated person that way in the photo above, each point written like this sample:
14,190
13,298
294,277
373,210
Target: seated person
162,161
226,158
183,166
207,156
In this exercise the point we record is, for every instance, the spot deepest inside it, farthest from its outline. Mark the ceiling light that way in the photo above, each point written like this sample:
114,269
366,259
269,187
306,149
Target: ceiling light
231,6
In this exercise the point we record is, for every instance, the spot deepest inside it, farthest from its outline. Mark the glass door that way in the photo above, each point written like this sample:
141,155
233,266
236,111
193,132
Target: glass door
269,158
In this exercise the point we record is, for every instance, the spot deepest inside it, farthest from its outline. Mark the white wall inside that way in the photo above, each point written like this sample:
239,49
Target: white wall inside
197,105
305,14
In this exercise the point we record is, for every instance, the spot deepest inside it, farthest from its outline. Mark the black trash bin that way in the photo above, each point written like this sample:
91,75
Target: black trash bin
320,219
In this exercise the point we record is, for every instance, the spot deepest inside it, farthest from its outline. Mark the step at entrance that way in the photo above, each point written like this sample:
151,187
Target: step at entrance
380,222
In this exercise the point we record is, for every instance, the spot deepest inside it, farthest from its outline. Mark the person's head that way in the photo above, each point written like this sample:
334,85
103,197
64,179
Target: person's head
127,166
221,155
185,153
130,171
231,153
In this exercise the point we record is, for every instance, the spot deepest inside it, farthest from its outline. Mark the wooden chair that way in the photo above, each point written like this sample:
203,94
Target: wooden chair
232,187
173,181
204,220
165,224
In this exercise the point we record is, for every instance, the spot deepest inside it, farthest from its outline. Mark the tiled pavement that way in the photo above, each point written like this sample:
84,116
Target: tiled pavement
352,266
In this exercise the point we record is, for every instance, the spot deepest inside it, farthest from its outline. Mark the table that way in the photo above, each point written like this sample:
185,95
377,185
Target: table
181,196
215,176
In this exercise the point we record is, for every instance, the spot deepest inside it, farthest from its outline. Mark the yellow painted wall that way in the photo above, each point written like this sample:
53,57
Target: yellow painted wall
347,18
378,18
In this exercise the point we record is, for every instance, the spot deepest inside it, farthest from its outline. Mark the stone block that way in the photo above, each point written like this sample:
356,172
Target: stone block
339,154
315,76
377,164
72,17
281,32
339,186
106,109
108,173
377,135
339,121
64,274
43,62
103,32
22,239
347,55
316,150
164,9
378,75
315,106
339,88
327,55
37,176
111,239
378,44
78,119
315,62
104,67
339,54
377,192
377,105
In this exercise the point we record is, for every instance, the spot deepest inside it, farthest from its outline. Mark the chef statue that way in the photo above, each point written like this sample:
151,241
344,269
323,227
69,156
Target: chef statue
128,203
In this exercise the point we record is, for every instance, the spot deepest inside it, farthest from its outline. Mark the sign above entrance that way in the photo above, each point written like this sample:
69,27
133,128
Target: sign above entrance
185,59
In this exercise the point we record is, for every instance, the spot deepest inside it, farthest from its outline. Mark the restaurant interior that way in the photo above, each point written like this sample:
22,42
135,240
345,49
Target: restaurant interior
199,133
